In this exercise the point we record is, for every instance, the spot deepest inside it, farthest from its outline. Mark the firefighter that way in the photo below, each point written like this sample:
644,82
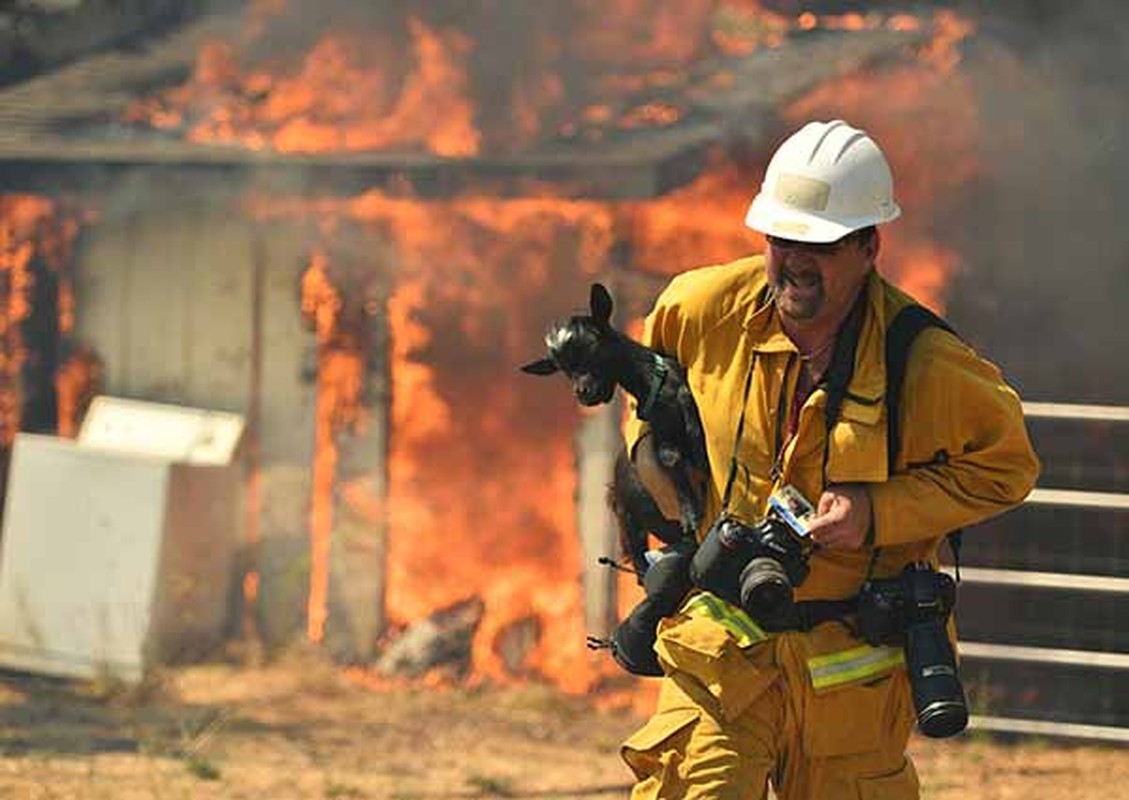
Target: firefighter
809,706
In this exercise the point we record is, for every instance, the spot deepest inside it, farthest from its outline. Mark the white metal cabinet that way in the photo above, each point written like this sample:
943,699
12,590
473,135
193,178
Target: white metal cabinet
118,549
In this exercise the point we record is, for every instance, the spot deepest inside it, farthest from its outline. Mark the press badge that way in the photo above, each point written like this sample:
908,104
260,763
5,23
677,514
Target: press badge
792,507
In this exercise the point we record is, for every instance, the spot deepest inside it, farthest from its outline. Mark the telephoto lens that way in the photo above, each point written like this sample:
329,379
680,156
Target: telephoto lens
938,696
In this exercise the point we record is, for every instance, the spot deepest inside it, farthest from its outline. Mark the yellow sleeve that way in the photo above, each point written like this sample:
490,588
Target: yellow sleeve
965,456
690,304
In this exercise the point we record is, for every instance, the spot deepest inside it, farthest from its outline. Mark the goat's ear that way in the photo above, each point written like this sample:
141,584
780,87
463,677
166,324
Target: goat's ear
601,303
544,366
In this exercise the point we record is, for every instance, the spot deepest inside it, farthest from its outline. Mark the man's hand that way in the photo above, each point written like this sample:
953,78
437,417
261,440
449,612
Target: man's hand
842,517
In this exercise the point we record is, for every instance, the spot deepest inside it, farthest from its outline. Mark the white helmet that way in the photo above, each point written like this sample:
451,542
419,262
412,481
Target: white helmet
826,180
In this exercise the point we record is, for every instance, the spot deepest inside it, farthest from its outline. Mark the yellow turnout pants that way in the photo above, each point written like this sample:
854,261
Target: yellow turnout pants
819,714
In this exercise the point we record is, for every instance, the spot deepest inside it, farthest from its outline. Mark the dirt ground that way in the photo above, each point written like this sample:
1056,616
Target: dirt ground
302,728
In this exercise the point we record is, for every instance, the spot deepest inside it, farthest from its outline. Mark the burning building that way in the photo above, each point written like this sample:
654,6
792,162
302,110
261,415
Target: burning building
352,223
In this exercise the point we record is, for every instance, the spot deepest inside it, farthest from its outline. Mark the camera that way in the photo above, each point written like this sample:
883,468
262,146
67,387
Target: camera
755,567
666,583
912,609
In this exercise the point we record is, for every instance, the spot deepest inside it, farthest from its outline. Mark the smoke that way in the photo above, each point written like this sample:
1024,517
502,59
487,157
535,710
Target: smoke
1046,283
1027,129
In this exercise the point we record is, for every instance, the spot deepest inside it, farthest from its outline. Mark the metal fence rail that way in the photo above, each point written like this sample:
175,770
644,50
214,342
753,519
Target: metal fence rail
1073,497
1076,412
1104,733
1045,580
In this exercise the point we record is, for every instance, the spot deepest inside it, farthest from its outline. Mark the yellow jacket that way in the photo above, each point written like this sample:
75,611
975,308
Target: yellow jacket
965,452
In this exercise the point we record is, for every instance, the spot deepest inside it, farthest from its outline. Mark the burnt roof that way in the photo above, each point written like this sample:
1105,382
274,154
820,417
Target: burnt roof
65,130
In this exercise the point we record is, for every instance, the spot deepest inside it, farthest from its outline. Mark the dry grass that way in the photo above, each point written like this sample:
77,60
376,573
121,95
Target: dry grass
301,728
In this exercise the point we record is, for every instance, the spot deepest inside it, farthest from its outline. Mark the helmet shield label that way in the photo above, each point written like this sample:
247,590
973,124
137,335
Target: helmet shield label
799,191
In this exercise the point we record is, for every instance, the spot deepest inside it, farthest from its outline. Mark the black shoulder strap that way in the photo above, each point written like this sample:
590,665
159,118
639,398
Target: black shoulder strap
839,372
900,335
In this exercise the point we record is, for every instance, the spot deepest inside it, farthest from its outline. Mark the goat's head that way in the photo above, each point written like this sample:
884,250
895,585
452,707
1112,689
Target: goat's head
582,348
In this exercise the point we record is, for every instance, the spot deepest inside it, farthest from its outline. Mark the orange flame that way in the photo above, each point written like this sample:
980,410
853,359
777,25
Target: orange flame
31,227
339,383
482,465
697,224
337,100
77,381
504,532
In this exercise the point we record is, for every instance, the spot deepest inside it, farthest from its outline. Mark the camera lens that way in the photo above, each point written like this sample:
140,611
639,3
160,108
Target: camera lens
938,695
943,718
766,592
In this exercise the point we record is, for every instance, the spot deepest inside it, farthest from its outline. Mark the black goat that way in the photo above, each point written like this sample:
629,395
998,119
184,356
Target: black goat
596,357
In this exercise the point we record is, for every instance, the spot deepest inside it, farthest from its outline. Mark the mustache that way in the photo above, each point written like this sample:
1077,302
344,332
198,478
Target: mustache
802,277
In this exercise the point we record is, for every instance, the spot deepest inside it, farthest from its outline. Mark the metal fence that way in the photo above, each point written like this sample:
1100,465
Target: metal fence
1044,606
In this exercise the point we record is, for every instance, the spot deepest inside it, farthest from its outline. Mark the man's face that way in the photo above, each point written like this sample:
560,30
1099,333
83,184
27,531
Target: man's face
817,282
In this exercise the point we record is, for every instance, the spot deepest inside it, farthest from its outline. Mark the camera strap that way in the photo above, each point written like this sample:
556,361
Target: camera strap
835,382
764,297
727,495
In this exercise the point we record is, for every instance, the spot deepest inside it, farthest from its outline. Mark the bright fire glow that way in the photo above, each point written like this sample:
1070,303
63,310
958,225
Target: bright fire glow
36,234
339,385
482,462
336,100
481,455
